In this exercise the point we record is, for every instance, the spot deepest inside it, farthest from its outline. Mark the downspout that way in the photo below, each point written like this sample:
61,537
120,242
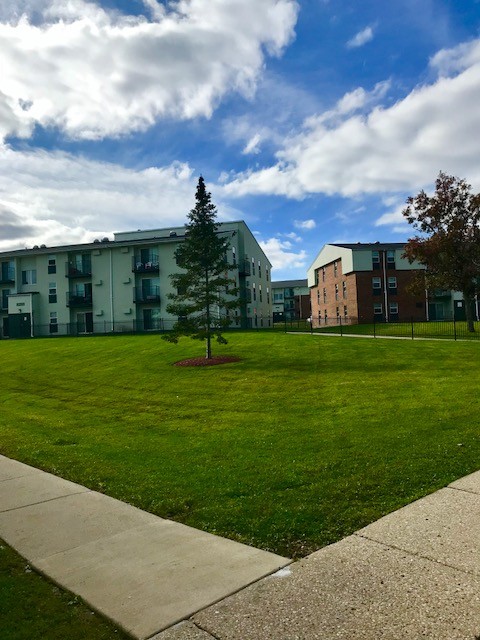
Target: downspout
385,285
111,289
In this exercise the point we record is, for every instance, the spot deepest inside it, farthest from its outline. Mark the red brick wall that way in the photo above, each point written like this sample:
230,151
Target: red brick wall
360,299
409,305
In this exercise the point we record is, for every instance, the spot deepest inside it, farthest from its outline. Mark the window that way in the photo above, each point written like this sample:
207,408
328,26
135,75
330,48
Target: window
316,277
266,274
377,308
376,259
253,266
254,293
393,308
5,294
391,259
392,285
318,296
268,296
336,292
335,268
53,325
29,276
234,256
52,264
259,269
278,297
323,274
324,294
377,286
52,292
344,289
260,292
338,312
345,311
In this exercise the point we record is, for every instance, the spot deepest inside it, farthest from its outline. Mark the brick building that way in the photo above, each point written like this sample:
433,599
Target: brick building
364,283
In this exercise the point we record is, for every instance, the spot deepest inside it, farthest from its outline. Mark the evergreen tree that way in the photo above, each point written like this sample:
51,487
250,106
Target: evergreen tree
205,292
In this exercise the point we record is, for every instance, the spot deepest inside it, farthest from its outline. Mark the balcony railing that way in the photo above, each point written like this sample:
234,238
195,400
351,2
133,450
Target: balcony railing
244,268
246,295
145,266
141,296
7,276
78,271
79,300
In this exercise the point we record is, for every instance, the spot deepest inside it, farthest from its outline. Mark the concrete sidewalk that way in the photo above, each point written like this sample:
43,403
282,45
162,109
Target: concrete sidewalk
142,572
413,574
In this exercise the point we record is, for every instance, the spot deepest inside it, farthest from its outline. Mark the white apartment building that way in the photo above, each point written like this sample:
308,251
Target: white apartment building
119,285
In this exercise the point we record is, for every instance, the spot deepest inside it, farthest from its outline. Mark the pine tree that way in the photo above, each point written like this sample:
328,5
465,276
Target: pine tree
205,292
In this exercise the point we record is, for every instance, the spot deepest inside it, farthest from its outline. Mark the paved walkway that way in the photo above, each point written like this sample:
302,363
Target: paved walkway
413,574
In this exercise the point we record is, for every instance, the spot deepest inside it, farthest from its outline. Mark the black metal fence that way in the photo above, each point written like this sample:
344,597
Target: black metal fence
150,325
451,328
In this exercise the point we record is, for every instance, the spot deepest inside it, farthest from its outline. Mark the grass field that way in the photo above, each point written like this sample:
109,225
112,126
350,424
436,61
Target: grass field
297,445
304,440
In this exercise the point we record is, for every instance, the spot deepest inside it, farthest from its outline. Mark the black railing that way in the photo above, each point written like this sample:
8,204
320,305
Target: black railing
73,270
244,268
79,300
145,296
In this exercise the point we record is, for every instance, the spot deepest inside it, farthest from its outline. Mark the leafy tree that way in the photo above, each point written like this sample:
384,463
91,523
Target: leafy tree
205,294
450,220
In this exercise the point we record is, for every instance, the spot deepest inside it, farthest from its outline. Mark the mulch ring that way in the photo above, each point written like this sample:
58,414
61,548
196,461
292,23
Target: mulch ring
206,362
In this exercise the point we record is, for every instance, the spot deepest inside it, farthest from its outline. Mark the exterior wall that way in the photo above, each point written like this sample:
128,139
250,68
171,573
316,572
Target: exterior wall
409,306
291,300
351,295
112,295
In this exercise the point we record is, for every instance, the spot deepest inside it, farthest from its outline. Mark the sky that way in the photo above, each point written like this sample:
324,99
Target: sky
312,120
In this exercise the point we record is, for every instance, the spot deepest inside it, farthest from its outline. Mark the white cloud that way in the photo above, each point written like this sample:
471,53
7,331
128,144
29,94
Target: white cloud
252,145
361,38
54,199
395,149
281,256
305,224
108,74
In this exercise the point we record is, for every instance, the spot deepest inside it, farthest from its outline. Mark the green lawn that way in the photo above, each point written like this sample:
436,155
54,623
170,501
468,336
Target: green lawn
305,440
300,443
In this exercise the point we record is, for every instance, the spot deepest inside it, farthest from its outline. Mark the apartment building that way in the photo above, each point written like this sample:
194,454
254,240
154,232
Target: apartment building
364,283
291,300
119,285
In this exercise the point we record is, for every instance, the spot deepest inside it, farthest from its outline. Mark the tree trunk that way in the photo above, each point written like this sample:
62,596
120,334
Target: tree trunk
468,302
208,350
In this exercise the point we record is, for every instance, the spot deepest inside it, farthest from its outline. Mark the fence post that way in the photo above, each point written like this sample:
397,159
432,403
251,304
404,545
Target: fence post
311,323
341,329
412,330
454,328
374,327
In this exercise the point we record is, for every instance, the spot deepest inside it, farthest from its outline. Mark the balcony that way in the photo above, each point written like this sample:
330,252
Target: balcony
246,295
146,296
244,268
7,275
140,264
79,300
78,271
440,293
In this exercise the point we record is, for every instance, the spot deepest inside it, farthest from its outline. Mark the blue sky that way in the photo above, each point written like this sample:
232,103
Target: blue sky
311,120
